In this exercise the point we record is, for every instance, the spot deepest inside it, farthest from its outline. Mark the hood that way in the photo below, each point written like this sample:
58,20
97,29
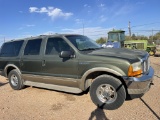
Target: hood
120,53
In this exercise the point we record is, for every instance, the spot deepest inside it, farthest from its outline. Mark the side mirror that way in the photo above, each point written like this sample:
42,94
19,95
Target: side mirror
66,54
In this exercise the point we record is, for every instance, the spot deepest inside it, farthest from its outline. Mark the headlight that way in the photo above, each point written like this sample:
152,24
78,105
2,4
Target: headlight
135,69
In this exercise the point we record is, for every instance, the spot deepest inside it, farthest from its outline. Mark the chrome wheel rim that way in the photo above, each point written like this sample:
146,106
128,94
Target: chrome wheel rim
106,93
14,80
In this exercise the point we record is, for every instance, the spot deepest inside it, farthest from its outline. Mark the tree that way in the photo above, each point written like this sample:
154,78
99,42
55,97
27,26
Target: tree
101,40
155,37
142,37
134,37
127,38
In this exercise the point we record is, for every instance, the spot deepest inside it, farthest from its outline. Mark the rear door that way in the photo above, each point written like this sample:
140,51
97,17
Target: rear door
31,61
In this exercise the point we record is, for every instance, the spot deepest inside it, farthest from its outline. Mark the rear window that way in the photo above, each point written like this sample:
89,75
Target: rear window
33,47
11,49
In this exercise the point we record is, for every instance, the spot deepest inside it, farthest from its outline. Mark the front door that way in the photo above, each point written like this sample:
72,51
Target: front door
59,71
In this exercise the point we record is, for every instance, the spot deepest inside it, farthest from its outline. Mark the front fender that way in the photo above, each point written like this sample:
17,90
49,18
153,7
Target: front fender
117,72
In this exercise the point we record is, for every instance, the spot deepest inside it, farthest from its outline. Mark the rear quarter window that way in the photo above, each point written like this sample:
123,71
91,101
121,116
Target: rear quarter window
11,49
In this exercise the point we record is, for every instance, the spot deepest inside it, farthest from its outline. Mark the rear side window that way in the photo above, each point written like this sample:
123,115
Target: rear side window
33,47
11,49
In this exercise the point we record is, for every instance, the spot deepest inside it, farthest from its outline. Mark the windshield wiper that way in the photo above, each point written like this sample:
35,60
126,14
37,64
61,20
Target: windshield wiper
90,49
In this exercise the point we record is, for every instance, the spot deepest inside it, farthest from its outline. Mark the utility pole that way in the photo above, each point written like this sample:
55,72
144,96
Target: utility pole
129,28
152,35
83,26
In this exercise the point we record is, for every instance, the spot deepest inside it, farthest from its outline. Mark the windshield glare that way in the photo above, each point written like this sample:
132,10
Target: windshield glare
83,42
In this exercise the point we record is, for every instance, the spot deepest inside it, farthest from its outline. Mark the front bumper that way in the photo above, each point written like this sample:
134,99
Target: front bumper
137,86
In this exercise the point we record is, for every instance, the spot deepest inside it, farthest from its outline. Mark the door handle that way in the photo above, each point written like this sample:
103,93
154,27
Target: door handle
21,62
43,63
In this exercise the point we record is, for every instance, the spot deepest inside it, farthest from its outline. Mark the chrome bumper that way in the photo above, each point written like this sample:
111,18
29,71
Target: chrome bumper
139,85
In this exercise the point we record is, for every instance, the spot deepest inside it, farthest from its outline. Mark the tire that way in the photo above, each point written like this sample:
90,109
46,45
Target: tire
107,92
15,80
151,53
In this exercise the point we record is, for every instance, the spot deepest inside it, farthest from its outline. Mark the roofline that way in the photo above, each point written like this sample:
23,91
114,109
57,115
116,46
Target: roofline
39,36
116,31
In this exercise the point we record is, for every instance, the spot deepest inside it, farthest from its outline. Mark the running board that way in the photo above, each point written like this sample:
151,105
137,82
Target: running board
53,87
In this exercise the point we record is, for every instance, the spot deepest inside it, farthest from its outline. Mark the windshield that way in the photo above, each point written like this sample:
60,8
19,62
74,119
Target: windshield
82,42
116,37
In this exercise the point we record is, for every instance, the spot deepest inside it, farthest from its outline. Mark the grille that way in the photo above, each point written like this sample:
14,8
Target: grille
140,45
146,65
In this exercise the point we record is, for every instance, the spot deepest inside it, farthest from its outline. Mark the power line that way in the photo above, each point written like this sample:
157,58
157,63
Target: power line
145,24
140,25
147,30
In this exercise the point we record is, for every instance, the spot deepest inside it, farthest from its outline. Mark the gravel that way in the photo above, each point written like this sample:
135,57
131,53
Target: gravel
42,104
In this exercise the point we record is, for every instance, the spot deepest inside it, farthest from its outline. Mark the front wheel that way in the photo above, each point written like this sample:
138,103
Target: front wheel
107,92
15,80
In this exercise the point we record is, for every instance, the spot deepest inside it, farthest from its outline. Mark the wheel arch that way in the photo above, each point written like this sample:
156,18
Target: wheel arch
91,74
9,68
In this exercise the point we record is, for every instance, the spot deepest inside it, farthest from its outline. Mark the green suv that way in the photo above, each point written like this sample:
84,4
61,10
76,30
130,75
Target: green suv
75,63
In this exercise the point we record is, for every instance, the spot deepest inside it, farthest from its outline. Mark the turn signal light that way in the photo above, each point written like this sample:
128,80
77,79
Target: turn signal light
132,73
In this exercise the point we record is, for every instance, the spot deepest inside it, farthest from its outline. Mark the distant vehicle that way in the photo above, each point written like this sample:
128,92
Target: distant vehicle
157,51
116,39
140,45
119,37
136,44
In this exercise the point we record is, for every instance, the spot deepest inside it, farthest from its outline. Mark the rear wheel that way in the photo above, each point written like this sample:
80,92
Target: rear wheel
15,80
107,92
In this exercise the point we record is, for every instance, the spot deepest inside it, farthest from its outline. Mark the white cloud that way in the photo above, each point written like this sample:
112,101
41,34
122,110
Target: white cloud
20,11
51,12
33,9
123,10
58,13
26,26
48,33
86,5
102,5
30,25
79,21
92,32
103,18
43,10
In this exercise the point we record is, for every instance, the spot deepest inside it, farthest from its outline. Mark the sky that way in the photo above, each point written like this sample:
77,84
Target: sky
93,18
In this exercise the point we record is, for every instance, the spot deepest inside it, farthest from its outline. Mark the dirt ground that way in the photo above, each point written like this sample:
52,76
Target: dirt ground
40,104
